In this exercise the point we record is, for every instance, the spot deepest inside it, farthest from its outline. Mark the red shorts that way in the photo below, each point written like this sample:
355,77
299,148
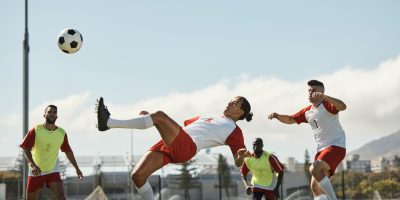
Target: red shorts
332,155
181,150
36,182
258,193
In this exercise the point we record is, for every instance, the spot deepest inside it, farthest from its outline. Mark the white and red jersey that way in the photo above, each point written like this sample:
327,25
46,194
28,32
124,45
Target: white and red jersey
214,130
324,121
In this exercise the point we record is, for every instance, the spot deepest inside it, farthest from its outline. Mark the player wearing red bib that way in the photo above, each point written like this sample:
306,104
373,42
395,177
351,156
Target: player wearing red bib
179,144
323,117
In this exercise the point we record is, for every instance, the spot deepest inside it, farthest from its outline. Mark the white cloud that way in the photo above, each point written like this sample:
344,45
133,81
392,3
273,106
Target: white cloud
371,96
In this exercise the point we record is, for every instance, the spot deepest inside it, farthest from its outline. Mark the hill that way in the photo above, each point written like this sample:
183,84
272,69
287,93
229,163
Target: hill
387,146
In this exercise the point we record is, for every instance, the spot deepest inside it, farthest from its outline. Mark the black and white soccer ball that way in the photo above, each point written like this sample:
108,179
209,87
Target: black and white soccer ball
69,40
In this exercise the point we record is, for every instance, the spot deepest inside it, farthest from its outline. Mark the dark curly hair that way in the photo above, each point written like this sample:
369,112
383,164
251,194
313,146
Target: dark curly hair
245,106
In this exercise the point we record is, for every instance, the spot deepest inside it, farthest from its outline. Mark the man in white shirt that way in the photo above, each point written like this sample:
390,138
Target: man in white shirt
323,117
179,144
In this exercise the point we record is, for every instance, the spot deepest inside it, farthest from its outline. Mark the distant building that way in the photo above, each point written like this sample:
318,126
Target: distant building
357,165
380,164
292,165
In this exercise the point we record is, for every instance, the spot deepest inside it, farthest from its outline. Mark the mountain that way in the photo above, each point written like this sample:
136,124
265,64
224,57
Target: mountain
387,146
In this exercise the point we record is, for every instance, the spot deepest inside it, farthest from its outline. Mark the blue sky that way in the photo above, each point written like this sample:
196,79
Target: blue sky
191,57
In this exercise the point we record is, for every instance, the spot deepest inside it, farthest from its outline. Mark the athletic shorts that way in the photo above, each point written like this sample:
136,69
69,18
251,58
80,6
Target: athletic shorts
258,193
332,155
36,182
181,150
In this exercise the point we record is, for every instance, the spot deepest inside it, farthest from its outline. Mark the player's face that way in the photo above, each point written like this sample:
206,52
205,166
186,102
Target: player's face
311,90
50,115
257,146
233,110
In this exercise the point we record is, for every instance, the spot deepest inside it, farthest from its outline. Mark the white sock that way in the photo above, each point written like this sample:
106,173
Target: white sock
321,197
326,185
141,122
146,191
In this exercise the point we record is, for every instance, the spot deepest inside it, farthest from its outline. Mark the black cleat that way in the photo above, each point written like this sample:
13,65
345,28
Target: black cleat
102,115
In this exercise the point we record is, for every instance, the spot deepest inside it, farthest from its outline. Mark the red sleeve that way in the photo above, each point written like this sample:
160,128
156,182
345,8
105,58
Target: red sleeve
244,169
65,145
276,165
235,140
300,116
330,107
29,140
189,121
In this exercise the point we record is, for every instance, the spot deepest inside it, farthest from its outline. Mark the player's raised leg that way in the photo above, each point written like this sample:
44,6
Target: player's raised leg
104,122
166,126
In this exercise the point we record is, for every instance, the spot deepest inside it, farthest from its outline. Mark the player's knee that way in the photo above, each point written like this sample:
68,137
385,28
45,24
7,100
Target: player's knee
311,168
159,114
315,169
138,177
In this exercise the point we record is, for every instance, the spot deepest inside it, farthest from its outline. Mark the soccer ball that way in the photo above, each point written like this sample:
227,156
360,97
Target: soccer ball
69,40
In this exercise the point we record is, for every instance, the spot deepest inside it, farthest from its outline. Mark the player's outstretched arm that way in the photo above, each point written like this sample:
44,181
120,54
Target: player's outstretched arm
282,118
240,155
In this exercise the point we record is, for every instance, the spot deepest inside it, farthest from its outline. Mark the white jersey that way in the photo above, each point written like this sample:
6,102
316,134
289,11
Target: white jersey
214,130
324,121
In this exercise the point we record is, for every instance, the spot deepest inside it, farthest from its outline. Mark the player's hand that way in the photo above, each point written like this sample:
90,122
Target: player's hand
273,115
318,95
249,190
79,173
243,152
36,171
143,112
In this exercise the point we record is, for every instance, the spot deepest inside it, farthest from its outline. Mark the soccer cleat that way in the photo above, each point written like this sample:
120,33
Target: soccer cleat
102,115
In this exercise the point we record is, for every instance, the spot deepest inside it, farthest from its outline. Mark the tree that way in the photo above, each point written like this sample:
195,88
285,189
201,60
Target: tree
396,162
387,188
224,173
186,179
364,185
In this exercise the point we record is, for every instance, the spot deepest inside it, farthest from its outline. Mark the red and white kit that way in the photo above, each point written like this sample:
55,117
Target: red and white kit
324,121
214,130
328,133
200,133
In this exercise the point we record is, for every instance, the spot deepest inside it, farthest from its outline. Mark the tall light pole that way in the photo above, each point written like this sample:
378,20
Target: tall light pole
25,94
